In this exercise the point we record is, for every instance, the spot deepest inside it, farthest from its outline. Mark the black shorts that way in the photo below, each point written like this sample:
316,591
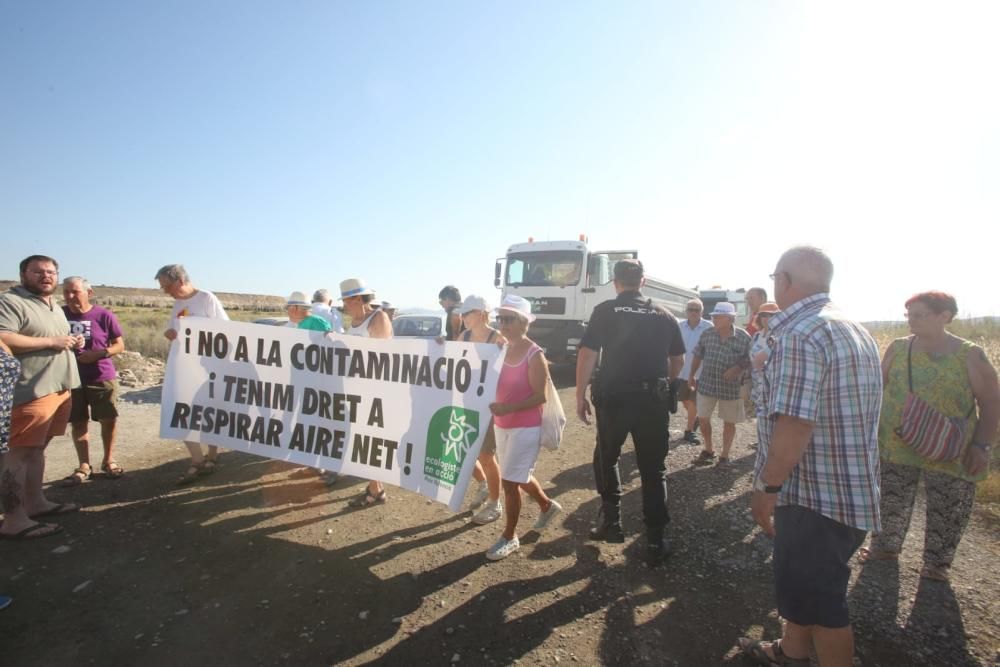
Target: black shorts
94,401
810,566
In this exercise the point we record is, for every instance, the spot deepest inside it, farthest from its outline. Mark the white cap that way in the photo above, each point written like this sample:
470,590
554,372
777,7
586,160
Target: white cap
473,302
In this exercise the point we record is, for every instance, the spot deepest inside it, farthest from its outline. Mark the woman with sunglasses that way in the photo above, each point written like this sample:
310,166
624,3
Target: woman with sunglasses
956,378
477,329
368,322
517,419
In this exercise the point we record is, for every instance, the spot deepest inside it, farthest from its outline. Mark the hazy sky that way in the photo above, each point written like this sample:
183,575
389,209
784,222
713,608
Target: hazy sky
273,147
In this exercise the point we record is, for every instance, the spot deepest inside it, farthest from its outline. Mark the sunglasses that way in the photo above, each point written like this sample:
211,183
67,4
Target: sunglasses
764,314
507,319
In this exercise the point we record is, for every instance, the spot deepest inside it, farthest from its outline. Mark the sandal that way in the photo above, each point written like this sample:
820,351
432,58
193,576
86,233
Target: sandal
936,572
208,467
870,555
34,532
366,499
191,474
78,476
112,470
754,649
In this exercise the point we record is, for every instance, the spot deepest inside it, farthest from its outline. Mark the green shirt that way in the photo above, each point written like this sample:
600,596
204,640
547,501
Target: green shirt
43,372
315,323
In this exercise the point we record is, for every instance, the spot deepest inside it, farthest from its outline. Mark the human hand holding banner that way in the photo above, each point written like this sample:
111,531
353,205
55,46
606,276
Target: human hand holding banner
412,413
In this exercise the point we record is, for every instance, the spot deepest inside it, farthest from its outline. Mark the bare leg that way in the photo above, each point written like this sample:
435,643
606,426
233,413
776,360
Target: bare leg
512,498
109,428
534,489
81,441
728,435
477,472
491,471
706,433
197,457
834,646
795,640
692,414
34,498
375,489
213,452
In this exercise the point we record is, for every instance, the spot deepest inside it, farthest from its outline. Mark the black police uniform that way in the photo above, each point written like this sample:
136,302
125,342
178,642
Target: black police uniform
631,395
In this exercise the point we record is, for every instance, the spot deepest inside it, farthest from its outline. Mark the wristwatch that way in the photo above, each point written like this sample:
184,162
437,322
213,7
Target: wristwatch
760,485
985,446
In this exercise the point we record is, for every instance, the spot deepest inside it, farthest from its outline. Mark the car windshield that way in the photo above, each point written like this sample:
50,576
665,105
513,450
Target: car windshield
412,325
540,269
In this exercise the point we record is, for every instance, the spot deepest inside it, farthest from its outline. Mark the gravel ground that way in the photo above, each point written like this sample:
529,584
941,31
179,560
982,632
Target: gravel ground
261,564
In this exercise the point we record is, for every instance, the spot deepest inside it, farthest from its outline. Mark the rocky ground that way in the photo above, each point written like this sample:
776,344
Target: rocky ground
261,564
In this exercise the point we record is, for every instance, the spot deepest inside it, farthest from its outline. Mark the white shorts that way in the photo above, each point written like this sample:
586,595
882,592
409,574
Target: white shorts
517,452
730,412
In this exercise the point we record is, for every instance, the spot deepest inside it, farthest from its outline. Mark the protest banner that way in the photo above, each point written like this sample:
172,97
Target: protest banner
407,412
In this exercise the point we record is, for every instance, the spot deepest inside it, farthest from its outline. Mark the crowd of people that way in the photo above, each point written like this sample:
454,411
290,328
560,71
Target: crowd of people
844,434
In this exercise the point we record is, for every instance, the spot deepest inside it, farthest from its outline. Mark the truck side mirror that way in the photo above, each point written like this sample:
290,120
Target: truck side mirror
496,275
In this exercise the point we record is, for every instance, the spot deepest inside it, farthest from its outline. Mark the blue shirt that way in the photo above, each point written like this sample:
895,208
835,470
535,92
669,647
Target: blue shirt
691,336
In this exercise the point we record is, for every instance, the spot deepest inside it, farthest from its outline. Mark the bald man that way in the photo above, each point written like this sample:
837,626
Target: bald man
817,466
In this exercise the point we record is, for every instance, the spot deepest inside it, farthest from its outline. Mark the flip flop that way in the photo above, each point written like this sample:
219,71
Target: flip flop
754,649
31,532
870,555
61,508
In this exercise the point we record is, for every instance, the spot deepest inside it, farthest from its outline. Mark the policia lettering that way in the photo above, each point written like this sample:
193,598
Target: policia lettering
641,351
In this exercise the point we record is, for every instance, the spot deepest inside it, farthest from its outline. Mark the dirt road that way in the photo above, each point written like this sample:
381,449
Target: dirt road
260,564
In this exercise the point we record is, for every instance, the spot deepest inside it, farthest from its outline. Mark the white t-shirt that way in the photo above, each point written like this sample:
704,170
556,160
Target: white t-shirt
330,315
691,337
200,304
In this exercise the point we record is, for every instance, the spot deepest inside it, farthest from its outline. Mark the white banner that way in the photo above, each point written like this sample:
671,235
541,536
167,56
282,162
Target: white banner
407,412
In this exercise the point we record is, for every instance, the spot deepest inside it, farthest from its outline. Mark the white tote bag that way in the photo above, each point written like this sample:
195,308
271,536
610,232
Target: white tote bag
553,418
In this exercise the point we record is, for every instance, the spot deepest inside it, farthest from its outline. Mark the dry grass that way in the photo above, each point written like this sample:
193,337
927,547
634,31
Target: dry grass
986,334
143,327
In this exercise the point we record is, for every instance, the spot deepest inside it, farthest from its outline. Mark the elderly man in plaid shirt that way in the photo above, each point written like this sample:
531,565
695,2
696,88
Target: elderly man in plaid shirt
817,468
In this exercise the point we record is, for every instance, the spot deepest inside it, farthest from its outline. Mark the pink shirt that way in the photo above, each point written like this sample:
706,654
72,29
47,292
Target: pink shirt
513,387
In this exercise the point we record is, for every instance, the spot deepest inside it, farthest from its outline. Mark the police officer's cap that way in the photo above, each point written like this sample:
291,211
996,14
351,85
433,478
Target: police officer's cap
628,271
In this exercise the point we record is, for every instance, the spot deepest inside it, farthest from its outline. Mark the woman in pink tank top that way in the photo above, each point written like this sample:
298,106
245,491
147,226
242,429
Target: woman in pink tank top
517,418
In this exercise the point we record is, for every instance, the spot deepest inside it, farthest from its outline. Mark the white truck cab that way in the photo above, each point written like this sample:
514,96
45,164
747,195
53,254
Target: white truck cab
564,280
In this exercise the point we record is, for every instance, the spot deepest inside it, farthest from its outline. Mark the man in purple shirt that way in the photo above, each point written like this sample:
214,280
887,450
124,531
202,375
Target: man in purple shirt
97,394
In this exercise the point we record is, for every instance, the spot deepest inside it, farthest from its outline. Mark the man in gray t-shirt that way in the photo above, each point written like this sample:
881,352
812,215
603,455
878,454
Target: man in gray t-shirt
34,327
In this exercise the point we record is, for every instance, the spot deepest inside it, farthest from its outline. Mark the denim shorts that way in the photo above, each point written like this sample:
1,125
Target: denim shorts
810,566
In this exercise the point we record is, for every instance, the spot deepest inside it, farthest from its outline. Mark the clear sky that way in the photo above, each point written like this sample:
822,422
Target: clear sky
279,146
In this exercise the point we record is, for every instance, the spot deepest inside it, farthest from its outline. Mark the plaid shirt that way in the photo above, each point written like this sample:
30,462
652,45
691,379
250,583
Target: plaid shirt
825,369
717,356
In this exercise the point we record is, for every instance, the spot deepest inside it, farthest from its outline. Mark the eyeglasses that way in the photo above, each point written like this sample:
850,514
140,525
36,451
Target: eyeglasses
507,319
775,275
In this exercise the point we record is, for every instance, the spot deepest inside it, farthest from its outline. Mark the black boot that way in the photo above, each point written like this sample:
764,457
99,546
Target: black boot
657,546
608,527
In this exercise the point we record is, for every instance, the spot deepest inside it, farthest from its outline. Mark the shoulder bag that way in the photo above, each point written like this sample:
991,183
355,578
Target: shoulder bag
932,435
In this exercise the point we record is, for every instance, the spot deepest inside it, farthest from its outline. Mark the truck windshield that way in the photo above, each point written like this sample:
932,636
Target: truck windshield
539,269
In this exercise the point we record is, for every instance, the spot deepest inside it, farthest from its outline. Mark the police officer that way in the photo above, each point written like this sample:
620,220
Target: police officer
642,352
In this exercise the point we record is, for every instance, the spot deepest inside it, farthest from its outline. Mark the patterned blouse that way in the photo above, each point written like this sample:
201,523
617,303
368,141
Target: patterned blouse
10,370
941,381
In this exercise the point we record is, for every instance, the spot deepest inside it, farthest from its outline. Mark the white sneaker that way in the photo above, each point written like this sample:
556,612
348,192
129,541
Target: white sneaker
482,493
503,548
488,514
545,518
